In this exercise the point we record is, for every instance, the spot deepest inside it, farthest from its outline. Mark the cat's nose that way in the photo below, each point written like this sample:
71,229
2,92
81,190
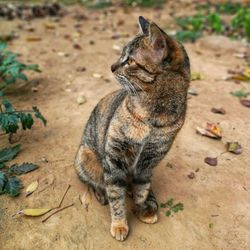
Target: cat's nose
114,67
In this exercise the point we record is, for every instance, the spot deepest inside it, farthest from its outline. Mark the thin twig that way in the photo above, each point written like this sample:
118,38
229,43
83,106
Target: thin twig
64,196
57,211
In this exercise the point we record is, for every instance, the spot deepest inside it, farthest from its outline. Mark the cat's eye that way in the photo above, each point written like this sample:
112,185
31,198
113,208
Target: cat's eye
130,61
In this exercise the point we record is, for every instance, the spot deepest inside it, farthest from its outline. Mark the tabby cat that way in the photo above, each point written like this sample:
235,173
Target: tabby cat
131,130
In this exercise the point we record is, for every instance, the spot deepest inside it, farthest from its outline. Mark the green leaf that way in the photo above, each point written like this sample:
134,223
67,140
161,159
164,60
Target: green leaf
240,93
2,45
9,122
7,106
26,120
22,169
13,186
39,115
187,35
8,154
3,180
168,213
2,165
215,22
22,76
176,208
170,202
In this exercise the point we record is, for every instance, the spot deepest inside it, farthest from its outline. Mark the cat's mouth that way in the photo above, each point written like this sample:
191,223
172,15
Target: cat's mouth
126,84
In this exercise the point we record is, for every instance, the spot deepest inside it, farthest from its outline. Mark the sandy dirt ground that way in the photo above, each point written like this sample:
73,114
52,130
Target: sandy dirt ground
217,196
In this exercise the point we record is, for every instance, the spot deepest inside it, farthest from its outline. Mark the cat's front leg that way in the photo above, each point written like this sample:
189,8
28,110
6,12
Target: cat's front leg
115,181
145,203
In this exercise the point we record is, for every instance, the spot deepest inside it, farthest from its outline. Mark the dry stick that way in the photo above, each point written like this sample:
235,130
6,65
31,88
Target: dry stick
63,196
57,211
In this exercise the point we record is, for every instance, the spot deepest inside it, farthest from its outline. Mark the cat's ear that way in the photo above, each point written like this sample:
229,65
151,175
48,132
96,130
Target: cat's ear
157,40
144,25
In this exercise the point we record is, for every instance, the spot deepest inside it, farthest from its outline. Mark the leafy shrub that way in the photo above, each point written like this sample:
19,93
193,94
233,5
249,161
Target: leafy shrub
10,71
192,27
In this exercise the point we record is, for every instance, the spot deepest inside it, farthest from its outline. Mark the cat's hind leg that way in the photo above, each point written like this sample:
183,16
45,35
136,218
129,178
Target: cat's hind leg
90,171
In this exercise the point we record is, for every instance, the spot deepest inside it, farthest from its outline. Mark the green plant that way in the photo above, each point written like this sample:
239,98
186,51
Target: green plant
187,35
228,7
192,23
9,183
214,21
172,207
12,70
242,21
192,27
145,3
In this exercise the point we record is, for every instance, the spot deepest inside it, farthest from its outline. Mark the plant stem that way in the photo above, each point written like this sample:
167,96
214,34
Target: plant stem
57,211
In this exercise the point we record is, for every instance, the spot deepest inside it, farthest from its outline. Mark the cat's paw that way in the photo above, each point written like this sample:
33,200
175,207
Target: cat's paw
148,218
119,230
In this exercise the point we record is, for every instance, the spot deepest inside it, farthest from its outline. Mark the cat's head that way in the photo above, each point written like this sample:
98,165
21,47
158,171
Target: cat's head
150,54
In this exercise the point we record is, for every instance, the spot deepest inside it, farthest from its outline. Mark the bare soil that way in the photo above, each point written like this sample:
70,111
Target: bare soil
216,202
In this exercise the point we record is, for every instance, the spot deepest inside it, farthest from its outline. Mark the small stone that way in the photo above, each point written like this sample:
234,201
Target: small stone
97,75
34,89
81,99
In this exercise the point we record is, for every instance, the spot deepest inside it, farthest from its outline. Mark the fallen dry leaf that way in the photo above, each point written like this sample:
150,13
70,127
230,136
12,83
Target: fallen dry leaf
214,129
49,25
245,102
205,132
211,161
192,92
77,46
221,111
85,199
33,38
240,75
196,76
234,147
32,188
34,212
191,175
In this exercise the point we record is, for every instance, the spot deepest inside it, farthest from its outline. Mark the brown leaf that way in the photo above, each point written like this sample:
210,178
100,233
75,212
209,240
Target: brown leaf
214,129
77,46
205,132
221,111
191,175
211,161
245,102
234,147
33,38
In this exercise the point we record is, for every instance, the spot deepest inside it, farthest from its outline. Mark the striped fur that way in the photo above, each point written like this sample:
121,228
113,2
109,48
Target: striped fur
131,130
